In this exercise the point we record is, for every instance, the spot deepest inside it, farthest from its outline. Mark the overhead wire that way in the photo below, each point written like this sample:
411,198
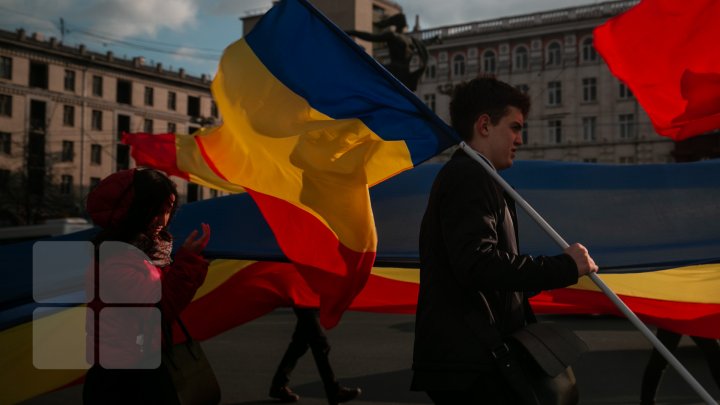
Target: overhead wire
192,52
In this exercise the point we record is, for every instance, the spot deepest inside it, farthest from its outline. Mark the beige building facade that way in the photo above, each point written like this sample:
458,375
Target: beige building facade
63,110
356,15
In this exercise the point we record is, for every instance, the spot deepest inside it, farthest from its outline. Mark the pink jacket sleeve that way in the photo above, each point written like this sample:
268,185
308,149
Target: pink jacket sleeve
180,281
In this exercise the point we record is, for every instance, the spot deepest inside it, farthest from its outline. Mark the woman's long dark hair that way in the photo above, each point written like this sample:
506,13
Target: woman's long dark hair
152,190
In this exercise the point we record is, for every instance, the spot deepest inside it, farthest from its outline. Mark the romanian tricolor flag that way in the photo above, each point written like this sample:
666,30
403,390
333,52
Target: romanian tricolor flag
310,121
683,300
665,266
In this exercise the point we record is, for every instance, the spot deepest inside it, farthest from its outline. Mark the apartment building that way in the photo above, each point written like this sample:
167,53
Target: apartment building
63,110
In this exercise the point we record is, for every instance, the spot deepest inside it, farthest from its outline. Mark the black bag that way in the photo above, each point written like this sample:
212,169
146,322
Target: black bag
191,376
545,352
536,361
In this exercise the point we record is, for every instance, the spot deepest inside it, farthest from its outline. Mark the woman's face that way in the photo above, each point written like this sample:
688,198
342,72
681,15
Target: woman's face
161,220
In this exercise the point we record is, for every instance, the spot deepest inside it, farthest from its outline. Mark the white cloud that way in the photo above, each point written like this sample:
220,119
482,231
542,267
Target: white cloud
114,18
237,8
188,54
125,18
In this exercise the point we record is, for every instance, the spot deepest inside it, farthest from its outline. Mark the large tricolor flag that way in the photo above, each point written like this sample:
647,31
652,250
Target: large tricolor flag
653,228
683,299
310,121
666,52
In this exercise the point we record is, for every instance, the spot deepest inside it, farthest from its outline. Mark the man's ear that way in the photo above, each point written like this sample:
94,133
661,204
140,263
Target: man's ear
481,125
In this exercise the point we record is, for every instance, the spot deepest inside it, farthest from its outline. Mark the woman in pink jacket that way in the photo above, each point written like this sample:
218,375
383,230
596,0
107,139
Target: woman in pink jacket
137,290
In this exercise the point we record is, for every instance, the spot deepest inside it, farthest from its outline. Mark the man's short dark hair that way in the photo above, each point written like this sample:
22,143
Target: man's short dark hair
483,95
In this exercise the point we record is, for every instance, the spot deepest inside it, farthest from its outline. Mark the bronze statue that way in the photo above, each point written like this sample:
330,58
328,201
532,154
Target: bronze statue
402,48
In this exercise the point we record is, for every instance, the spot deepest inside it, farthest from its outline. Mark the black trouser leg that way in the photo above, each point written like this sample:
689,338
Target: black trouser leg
289,360
309,327
711,350
297,348
320,353
656,366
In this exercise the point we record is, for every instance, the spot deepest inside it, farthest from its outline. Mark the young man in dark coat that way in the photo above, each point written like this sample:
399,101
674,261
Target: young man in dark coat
468,245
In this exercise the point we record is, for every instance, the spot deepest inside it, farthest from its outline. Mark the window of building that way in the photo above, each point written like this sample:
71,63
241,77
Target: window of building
97,86
555,131
66,184
430,100
148,126
624,92
6,143
68,151
69,80
627,126
588,127
213,109
431,69
590,160
589,85
38,116
554,54
524,88
172,127
149,96
4,178
588,50
5,105
122,157
172,101
122,151
627,160
96,154
94,181
124,92
6,68
489,62
38,75
459,66
192,192
213,193
520,61
97,120
554,93
69,115
193,107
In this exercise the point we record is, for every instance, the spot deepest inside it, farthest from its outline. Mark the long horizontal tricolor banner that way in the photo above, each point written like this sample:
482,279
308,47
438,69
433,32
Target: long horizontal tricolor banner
310,121
683,300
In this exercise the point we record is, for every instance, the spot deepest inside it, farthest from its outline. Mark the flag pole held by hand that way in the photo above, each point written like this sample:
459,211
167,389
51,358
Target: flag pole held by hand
598,282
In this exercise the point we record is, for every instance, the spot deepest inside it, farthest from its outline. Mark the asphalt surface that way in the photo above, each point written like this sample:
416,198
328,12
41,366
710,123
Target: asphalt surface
374,352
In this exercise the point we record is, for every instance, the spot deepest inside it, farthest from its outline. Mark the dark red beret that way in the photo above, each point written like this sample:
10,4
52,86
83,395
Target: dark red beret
108,203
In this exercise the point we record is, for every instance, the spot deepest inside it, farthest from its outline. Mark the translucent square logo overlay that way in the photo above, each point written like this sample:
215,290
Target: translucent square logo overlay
59,271
126,275
59,339
136,346
127,325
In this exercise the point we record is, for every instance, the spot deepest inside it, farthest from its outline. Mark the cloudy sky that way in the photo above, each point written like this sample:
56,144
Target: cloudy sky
192,33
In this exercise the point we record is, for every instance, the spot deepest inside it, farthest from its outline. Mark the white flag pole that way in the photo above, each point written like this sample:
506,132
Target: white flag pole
598,282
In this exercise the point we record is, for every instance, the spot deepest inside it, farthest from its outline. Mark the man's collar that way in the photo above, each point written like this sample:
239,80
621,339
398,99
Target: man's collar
485,159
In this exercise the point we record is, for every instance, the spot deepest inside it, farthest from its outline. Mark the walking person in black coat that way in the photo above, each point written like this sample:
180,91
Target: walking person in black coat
309,334
469,244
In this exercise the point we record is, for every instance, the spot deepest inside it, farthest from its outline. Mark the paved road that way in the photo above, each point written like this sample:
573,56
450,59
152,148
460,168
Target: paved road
374,351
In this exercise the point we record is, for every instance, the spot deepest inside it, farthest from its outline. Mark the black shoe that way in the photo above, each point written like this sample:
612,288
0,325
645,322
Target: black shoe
344,394
284,394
